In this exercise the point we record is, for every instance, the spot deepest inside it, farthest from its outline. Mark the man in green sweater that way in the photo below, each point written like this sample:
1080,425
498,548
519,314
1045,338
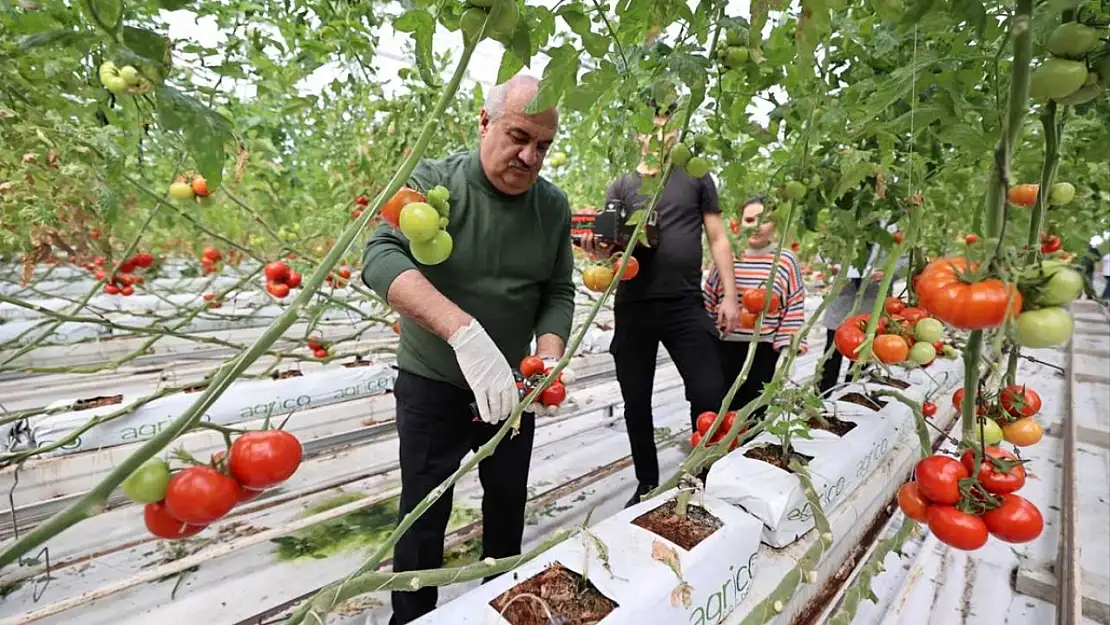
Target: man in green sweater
464,321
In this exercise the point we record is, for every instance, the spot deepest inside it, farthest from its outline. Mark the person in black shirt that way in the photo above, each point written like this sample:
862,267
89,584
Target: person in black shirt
663,303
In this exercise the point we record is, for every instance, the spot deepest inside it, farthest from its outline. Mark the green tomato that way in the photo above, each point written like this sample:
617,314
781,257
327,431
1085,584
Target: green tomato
1045,327
557,159
1057,78
485,4
1072,40
736,37
433,251
991,432
950,352
471,22
680,155
923,353
438,197
503,18
181,191
795,190
419,222
1062,193
1082,95
108,68
1063,285
116,84
697,167
131,75
701,142
736,56
148,483
929,330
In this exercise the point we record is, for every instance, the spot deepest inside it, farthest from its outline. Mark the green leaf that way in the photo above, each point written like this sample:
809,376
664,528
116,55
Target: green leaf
522,44
108,11
57,37
852,176
147,44
510,65
559,76
595,44
205,131
591,87
422,25
174,5
974,12
915,10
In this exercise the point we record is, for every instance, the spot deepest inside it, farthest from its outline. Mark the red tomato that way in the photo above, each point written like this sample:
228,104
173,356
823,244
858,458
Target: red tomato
554,394
200,495
127,266
938,477
1020,401
344,272
99,261
362,201
95,234
705,420
891,348
956,528
1017,520
850,335
928,409
734,225
796,247
391,212
754,299
899,237
294,280
200,186
320,353
967,306
695,439
939,346
971,239
277,289
912,315
630,271
912,502
159,522
1050,244
1023,194
396,327
212,254
894,305
530,366
995,480
263,459
355,214
111,289
247,494
748,319
277,271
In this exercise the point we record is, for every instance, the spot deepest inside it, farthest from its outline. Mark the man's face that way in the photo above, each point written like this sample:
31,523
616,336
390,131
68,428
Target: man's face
761,233
513,147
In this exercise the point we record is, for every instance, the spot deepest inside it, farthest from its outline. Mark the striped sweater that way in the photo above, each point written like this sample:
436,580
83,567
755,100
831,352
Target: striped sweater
751,270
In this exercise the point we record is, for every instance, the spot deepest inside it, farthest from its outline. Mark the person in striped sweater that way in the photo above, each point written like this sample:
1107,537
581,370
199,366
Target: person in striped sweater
750,271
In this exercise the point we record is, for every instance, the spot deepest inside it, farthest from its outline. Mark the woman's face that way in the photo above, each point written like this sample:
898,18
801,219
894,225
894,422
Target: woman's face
761,234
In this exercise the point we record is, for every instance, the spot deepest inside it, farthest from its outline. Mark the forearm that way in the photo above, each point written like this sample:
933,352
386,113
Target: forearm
722,258
550,346
416,299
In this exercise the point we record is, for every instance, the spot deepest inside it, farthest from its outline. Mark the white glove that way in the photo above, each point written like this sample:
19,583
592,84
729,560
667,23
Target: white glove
486,371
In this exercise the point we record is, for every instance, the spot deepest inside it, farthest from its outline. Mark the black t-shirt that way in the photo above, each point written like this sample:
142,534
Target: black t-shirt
673,268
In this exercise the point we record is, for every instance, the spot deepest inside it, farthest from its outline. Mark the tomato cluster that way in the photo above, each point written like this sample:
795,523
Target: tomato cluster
705,421
340,277
598,276
1048,287
963,509
689,157
423,220
318,347
182,503
124,281
1007,416
903,334
1064,77
947,290
210,260
280,279
191,188
532,371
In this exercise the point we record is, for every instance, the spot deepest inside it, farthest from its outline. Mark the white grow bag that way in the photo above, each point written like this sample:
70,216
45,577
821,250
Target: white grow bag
243,401
718,571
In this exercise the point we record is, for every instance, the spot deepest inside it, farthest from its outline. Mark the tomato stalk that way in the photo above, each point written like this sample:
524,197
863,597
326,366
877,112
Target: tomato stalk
997,187
94,501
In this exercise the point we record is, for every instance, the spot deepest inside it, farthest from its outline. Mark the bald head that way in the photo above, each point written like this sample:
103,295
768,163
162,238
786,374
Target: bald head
513,141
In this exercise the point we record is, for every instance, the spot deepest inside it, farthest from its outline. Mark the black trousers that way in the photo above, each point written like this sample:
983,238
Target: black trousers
686,330
436,430
830,372
733,355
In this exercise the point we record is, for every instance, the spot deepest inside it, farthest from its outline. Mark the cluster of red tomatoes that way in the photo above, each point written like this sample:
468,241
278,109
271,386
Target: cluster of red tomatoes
124,281
340,277
363,202
318,347
183,189
280,279
532,371
210,260
903,333
1007,416
751,304
705,421
961,510
598,276
182,503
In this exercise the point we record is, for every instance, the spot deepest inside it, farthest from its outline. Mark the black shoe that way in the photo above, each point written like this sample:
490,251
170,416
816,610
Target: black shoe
702,475
641,490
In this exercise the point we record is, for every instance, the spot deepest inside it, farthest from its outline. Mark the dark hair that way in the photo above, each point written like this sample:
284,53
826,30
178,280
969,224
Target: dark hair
755,199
